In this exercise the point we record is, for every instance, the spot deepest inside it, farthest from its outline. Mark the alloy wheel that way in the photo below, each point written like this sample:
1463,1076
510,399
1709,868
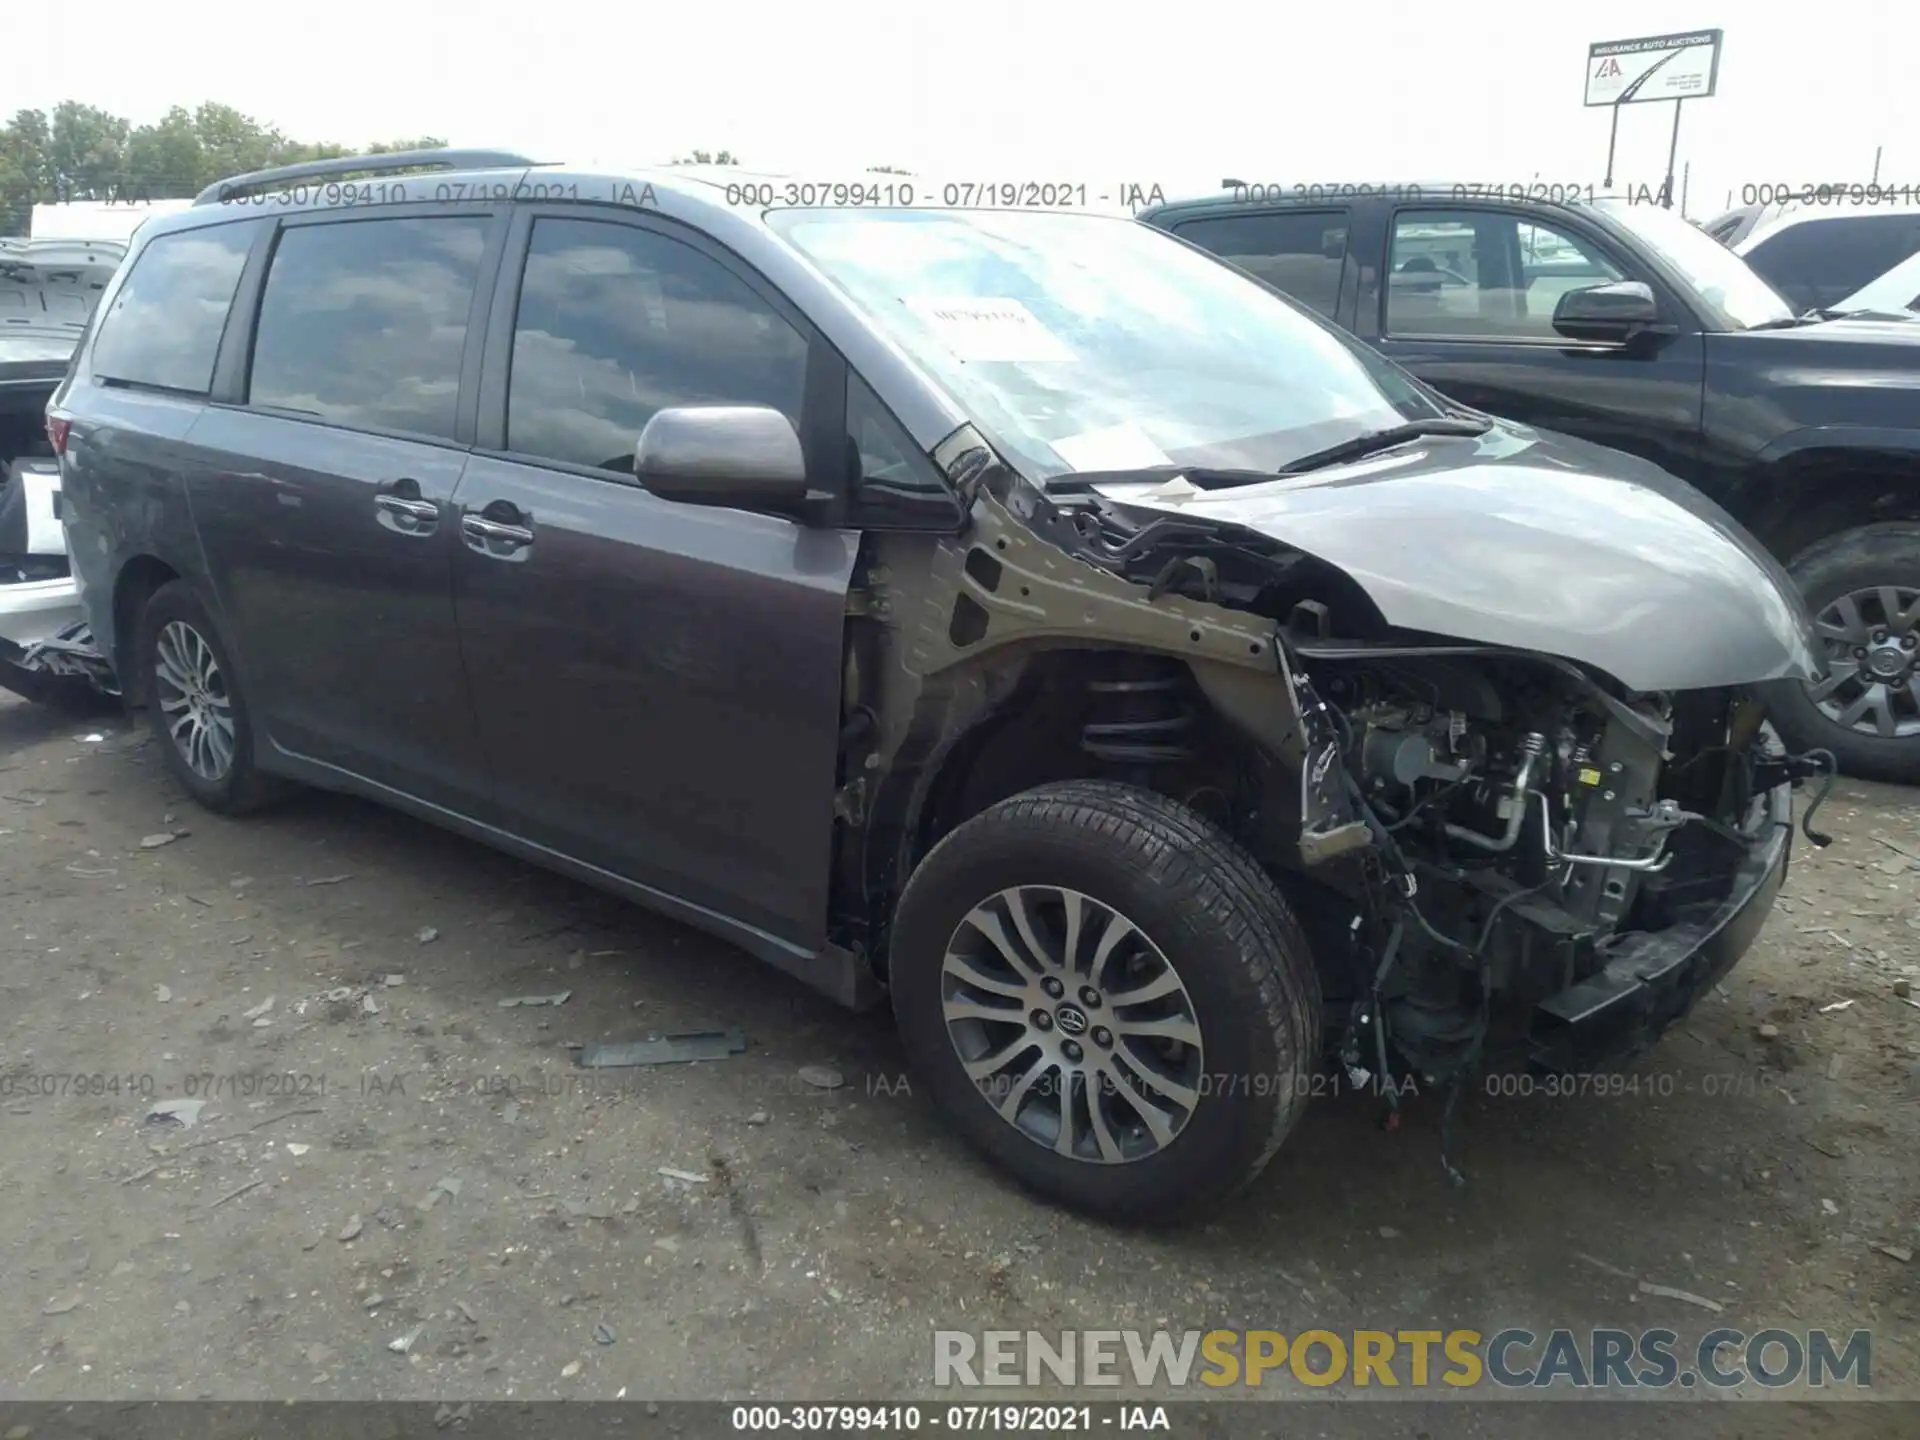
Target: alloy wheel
192,694
1872,680
1073,1024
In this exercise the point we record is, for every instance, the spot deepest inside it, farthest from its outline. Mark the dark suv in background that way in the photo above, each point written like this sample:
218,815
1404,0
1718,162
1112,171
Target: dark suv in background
1020,614
1623,324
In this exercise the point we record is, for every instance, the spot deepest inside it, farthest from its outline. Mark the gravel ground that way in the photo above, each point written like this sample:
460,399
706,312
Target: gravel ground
386,1150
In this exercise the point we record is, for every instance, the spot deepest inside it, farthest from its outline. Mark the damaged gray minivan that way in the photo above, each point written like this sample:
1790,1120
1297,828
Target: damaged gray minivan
1164,700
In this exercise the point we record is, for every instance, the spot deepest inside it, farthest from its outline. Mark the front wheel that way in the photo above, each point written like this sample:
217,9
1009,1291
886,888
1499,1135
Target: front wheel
1863,587
1108,997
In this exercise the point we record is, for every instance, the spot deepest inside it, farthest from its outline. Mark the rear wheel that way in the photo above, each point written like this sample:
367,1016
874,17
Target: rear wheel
1108,997
1863,587
196,707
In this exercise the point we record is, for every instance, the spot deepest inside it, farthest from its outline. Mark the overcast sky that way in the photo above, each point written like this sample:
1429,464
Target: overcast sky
1180,94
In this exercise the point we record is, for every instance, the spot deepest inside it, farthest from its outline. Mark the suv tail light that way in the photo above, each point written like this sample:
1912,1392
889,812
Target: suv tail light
57,428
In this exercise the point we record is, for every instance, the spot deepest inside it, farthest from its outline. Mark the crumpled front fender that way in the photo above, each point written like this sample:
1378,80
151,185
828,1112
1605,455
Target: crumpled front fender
1557,547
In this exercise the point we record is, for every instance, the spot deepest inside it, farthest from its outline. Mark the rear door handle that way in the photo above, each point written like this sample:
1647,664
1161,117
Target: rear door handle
495,538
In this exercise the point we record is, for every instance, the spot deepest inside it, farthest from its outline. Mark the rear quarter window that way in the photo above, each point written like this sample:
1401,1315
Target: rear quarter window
163,328
1298,252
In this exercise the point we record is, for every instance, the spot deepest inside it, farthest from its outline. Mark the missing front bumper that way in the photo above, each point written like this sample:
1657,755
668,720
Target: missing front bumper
64,665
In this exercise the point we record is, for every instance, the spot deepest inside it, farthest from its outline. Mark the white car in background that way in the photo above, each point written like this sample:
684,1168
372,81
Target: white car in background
1817,254
48,288
1895,293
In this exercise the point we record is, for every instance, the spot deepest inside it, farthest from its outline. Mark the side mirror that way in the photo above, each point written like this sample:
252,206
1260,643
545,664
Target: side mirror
741,456
1617,311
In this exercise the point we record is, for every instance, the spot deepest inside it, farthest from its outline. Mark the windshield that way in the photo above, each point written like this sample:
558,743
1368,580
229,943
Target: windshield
1080,342
1894,293
1737,297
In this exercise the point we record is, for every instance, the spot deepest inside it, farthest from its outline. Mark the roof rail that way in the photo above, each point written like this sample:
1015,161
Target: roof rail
361,165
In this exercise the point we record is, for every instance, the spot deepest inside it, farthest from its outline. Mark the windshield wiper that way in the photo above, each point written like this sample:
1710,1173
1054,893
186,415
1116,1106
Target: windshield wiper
1868,313
1790,322
1375,441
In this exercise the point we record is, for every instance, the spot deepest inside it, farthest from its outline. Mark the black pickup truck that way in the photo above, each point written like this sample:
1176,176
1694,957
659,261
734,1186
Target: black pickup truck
1624,324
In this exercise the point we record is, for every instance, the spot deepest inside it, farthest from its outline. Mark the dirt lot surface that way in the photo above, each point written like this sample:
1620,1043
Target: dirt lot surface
387,1151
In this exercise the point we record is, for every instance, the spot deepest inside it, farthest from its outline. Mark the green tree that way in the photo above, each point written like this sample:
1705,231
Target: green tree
23,167
86,152
887,170
708,157
168,156
80,152
393,147
233,144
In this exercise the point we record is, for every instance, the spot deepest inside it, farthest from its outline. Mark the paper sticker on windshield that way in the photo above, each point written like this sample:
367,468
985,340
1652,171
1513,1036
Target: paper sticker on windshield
988,329
1117,447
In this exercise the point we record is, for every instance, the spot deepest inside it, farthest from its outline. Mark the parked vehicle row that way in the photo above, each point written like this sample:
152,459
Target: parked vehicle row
1140,681
1624,325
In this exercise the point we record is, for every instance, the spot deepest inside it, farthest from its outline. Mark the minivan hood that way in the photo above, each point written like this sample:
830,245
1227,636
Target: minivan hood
1542,543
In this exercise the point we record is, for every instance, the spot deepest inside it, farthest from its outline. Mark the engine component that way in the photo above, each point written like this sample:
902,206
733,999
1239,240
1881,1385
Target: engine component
1513,805
1660,821
1395,746
1403,757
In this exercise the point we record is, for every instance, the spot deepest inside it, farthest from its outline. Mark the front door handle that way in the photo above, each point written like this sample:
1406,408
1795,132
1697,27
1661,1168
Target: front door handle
496,539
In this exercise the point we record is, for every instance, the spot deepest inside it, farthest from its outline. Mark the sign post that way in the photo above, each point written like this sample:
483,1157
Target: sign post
1678,67
1673,150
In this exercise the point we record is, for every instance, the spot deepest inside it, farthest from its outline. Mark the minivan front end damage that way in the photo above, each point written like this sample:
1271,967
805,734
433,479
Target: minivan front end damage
1505,850
1550,866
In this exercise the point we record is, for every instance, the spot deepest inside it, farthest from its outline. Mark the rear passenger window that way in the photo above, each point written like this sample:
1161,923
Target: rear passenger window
1298,252
615,323
363,323
163,328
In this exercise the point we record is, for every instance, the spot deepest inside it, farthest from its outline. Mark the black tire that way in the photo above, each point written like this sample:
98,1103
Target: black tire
1874,555
243,787
1217,919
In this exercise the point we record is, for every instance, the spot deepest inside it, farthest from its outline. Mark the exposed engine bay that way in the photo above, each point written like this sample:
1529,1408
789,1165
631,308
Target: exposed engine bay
1508,819
1509,850
1526,826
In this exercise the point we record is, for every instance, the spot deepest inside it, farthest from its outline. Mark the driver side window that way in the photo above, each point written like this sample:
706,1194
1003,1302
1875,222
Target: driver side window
1483,274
